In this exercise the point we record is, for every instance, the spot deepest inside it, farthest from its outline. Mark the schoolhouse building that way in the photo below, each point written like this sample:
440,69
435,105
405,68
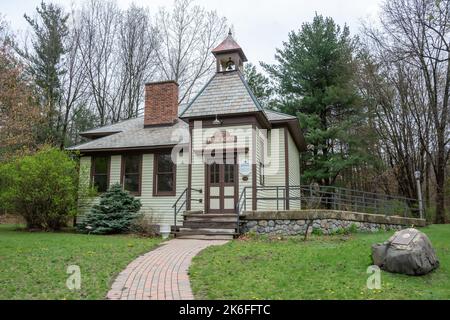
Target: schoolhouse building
197,167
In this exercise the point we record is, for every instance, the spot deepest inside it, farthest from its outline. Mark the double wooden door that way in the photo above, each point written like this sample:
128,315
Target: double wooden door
222,186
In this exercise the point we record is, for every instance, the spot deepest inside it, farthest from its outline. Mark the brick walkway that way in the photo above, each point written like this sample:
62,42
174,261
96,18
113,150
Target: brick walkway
161,274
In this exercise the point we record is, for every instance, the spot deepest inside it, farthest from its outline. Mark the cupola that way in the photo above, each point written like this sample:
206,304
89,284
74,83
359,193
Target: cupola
229,55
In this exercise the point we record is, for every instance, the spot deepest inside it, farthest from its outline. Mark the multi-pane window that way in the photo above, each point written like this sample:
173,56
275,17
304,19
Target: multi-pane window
131,173
100,171
229,173
214,173
164,175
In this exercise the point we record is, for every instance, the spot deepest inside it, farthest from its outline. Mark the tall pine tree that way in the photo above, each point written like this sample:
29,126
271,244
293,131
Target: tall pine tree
314,77
259,84
45,62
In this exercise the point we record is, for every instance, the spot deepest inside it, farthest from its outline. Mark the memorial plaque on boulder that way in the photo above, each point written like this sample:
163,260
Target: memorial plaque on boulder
408,251
404,237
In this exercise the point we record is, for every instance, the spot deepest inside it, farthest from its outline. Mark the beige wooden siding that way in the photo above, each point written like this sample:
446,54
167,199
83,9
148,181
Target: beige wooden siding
158,209
85,169
84,205
198,173
294,172
244,134
274,171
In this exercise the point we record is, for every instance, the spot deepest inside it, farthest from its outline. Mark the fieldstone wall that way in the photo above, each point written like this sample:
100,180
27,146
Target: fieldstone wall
295,222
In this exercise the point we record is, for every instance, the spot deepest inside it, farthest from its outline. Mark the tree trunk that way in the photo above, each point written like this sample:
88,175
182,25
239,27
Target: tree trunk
440,186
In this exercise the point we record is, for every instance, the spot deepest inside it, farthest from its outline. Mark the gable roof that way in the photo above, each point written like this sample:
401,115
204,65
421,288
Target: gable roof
225,93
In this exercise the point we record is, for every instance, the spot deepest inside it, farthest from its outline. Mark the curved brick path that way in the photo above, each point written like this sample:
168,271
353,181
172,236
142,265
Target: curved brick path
160,274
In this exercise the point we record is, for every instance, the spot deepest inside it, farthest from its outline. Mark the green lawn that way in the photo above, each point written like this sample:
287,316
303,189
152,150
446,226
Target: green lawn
321,268
34,265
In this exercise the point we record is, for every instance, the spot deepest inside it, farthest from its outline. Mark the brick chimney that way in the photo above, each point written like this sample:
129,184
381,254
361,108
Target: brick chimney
161,103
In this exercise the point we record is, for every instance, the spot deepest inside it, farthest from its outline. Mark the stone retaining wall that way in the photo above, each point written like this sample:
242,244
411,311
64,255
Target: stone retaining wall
295,222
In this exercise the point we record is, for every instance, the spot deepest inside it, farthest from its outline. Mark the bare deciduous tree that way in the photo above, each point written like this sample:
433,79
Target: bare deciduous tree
73,83
187,36
118,54
388,90
97,27
414,36
137,58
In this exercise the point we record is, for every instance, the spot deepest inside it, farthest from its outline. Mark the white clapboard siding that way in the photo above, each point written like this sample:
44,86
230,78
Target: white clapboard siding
85,204
244,134
158,209
274,170
294,172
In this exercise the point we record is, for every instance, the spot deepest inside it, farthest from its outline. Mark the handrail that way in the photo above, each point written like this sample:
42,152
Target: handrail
183,204
243,196
328,197
335,188
337,198
179,198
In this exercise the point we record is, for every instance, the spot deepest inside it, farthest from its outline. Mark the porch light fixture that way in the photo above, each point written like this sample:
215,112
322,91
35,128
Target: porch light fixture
217,122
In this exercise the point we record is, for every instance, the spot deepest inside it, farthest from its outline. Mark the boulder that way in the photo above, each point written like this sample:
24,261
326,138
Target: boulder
408,251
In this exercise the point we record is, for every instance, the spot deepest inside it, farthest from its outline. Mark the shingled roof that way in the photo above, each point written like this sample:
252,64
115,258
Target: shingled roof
132,134
278,116
135,136
229,45
125,125
226,93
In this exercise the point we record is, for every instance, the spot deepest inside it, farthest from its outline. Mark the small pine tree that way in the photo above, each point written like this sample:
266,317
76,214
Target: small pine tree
114,214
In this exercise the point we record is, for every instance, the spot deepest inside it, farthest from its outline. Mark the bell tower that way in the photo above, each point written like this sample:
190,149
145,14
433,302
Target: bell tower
229,55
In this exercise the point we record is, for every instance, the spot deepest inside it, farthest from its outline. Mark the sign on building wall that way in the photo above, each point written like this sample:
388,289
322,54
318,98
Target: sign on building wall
244,168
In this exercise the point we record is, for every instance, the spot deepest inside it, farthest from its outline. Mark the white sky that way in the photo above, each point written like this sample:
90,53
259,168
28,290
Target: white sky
260,25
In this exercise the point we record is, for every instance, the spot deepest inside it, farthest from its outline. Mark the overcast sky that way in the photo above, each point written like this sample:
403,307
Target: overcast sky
260,25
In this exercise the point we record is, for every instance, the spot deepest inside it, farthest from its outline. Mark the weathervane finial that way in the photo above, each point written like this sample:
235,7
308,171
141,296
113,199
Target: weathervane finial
229,32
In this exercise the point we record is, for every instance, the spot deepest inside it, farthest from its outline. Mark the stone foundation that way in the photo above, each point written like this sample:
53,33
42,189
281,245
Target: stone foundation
321,222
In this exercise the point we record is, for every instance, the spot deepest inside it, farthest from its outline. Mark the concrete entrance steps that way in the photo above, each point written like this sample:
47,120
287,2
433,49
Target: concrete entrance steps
207,226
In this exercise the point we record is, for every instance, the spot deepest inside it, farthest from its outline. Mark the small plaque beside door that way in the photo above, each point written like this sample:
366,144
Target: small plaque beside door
244,168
